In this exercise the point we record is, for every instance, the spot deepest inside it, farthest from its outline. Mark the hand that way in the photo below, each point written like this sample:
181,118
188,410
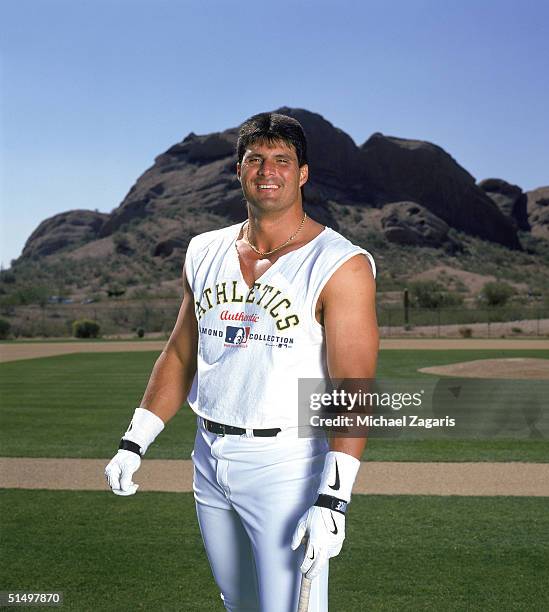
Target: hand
324,532
120,470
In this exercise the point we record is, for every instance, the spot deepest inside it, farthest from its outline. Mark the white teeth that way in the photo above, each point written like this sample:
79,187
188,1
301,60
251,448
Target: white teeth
268,186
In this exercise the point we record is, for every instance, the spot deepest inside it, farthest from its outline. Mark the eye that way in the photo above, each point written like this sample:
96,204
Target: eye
283,161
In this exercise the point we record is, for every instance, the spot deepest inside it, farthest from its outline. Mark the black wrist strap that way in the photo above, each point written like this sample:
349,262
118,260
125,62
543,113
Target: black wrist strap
327,501
130,446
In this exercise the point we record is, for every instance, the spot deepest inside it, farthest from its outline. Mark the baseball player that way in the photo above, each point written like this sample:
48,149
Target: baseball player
266,302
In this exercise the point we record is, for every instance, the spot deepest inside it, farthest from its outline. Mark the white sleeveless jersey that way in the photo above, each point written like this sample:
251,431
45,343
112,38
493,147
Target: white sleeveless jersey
255,343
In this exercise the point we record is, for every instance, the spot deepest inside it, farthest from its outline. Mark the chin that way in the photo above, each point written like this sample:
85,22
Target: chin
265,205
264,199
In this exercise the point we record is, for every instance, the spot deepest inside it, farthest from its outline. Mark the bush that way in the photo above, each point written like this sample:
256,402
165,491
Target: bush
140,332
7,276
431,294
496,293
84,328
465,332
5,327
32,294
122,244
115,290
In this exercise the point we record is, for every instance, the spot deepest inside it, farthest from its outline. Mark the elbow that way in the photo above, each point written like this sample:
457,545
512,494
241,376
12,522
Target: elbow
170,355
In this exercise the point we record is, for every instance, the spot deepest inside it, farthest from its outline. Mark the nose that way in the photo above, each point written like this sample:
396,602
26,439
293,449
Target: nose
267,168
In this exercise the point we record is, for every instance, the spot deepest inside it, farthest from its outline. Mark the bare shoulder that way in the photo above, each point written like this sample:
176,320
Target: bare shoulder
352,277
349,287
349,319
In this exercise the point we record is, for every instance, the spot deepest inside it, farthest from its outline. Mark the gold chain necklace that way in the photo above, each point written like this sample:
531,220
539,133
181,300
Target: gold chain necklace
265,253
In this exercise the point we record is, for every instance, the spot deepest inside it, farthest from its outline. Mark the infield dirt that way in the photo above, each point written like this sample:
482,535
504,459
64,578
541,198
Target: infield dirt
388,478
374,478
32,350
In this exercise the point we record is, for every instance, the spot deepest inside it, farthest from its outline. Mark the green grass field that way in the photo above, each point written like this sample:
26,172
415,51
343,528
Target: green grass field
145,552
401,553
79,406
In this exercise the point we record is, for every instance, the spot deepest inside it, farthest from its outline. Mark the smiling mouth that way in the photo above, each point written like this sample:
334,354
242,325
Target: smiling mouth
266,187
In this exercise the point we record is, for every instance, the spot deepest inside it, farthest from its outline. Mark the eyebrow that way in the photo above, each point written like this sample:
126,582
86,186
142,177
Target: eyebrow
254,153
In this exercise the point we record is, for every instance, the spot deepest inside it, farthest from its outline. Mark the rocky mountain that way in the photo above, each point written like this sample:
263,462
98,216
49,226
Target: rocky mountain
408,192
538,211
510,199
64,230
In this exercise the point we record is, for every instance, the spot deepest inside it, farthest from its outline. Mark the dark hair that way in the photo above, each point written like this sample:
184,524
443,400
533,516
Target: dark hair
272,127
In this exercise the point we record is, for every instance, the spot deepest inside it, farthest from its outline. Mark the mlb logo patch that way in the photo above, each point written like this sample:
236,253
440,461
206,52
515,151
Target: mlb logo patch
237,336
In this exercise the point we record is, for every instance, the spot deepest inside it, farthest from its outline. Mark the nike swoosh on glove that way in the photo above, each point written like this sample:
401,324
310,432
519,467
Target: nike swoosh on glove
324,532
120,470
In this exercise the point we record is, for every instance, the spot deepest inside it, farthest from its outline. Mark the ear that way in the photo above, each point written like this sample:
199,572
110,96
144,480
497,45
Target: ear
303,174
238,171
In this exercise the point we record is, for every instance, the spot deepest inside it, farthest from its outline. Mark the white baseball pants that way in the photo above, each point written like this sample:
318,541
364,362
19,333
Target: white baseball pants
250,493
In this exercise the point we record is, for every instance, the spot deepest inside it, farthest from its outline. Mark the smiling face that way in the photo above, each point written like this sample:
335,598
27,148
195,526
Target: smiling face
270,175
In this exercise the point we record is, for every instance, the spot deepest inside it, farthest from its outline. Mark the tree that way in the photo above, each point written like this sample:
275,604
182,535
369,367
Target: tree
431,294
5,327
122,244
496,293
85,328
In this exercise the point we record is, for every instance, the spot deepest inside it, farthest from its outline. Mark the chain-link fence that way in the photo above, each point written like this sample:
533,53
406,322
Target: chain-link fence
122,317
512,320
114,318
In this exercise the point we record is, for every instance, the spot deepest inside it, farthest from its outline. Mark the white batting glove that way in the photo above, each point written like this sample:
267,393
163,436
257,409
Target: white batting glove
143,429
120,470
324,531
323,525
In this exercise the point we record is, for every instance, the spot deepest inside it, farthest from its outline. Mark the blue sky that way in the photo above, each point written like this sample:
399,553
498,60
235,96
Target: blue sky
93,90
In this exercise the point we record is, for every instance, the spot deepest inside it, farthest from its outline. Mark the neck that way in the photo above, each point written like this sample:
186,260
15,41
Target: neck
269,230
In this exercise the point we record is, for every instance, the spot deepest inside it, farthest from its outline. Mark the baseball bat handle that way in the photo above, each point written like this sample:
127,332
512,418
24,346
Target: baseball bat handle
304,594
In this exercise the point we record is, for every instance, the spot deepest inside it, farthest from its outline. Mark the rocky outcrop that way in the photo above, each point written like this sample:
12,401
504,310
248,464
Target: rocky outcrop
538,211
334,161
193,185
402,169
165,248
68,229
411,223
510,199
191,179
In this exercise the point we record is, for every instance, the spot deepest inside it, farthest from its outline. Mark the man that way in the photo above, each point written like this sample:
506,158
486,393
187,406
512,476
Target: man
303,299
238,337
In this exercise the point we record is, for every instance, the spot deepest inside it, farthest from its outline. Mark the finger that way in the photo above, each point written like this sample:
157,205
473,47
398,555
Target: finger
336,551
112,473
309,558
317,564
298,535
126,479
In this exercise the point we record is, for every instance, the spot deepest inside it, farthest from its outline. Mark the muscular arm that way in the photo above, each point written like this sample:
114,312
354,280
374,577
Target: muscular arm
352,337
347,305
174,370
